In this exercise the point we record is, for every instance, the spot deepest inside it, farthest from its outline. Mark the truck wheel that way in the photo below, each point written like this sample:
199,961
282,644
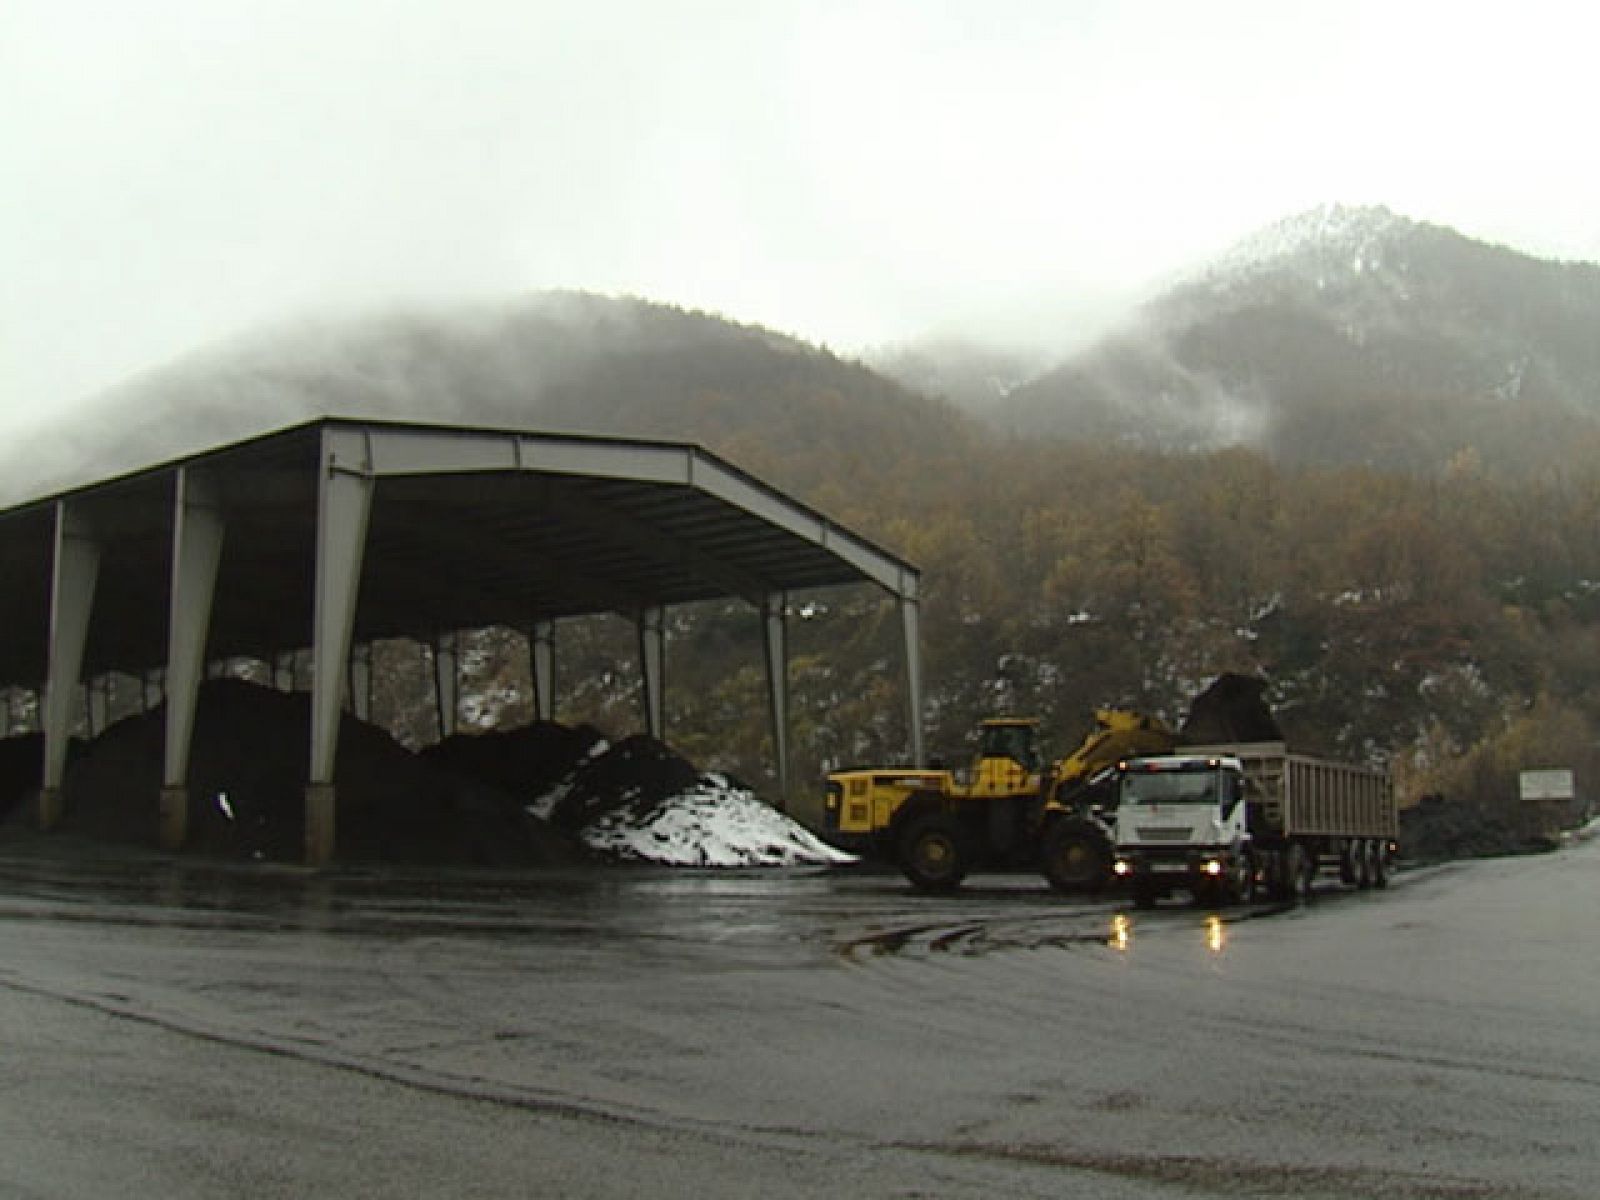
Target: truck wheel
1241,885
1301,869
1075,857
1280,877
933,853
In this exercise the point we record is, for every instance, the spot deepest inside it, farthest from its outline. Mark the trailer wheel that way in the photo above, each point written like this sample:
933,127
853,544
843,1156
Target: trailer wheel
1380,863
1075,856
1363,856
933,853
1349,851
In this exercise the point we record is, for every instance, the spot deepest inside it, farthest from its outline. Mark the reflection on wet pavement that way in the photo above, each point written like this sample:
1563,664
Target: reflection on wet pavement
854,915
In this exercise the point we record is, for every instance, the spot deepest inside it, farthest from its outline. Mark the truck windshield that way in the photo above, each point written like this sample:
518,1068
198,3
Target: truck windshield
1170,787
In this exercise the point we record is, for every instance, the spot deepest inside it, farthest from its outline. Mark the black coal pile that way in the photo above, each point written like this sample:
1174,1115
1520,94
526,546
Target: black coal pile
247,783
21,769
1232,710
1438,828
524,762
637,775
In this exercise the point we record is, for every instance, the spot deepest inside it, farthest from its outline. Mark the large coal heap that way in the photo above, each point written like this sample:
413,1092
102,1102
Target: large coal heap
21,768
1232,710
638,774
525,762
525,796
247,784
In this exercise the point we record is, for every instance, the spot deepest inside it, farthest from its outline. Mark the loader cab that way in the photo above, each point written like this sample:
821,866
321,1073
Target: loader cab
1017,740
1008,759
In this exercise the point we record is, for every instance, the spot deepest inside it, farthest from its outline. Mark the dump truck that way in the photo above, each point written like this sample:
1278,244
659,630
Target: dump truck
1221,822
1012,809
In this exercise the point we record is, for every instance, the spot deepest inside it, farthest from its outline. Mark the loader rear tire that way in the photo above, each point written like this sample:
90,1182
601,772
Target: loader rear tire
934,853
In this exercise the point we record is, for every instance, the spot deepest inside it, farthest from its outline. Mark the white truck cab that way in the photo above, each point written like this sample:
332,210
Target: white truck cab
1183,823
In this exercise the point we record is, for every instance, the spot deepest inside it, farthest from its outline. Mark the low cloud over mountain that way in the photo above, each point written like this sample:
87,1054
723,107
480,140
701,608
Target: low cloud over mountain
1346,335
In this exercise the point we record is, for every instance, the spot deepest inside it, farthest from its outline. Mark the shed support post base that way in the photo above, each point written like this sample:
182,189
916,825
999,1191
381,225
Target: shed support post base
174,817
319,824
52,805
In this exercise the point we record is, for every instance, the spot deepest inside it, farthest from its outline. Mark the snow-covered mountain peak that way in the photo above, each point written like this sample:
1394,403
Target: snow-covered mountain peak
1329,240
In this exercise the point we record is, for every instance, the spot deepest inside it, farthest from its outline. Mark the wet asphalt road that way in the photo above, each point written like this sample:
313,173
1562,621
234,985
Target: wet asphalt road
177,1030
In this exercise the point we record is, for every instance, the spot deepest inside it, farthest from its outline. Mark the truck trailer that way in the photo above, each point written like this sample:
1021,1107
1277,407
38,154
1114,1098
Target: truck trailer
1223,822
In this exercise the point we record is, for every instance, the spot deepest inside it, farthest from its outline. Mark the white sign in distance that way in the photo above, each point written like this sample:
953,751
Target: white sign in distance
1547,785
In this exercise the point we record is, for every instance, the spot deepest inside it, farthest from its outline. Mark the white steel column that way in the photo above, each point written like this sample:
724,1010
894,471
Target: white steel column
344,503
447,682
197,530
652,666
542,648
910,621
74,572
775,619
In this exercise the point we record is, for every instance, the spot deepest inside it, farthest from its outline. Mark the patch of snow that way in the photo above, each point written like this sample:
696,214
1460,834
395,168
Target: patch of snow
1467,676
544,806
1341,233
711,824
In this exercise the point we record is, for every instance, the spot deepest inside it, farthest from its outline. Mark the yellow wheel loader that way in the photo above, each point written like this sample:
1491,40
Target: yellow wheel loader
1010,810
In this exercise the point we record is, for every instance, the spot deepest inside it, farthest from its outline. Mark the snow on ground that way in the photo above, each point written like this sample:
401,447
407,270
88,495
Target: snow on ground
714,823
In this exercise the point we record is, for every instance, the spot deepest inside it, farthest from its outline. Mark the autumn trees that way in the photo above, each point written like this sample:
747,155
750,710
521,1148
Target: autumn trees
1414,620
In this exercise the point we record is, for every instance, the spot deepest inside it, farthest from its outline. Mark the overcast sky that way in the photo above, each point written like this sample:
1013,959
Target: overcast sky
856,173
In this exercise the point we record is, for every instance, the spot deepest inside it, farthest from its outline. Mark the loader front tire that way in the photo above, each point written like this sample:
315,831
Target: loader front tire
1075,856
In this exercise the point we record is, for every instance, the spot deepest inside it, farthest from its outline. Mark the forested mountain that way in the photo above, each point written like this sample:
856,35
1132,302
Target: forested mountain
1347,336
1448,620
562,361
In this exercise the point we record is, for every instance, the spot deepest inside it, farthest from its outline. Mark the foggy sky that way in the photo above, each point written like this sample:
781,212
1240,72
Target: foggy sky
855,173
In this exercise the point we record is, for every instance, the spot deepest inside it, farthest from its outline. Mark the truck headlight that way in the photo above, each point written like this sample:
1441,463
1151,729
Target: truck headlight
1122,867
1211,866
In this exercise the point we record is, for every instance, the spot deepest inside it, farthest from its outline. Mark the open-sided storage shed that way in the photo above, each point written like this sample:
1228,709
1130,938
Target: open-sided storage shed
338,532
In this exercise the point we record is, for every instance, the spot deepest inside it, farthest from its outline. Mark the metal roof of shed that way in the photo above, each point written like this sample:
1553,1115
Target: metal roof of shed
469,527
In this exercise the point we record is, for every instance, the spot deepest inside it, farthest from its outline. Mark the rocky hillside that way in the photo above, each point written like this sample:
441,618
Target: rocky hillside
1347,336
